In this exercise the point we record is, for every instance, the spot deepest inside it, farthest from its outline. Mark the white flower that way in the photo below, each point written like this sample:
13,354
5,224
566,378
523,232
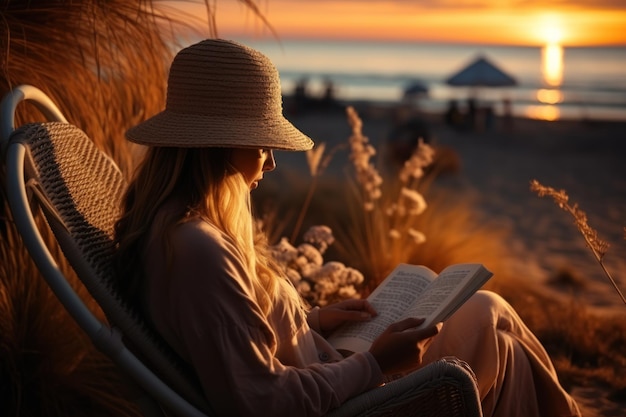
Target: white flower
319,236
418,237
311,253
416,202
348,292
361,151
309,270
422,156
284,252
351,276
325,285
329,271
332,268
300,262
304,288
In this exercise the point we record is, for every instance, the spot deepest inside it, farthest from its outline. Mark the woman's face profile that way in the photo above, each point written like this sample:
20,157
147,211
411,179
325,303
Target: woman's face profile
252,163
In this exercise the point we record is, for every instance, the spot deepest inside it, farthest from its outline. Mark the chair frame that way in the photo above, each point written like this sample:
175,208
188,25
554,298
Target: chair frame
106,338
110,339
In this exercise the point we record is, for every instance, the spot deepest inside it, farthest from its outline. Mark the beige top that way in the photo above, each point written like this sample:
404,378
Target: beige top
248,364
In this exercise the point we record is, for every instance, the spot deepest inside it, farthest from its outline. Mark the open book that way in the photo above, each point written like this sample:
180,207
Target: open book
412,291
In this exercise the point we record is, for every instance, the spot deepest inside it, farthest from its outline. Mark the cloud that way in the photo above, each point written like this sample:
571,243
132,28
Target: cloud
579,4
490,4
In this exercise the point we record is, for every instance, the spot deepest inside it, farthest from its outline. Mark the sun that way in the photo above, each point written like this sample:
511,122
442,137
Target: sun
549,28
552,33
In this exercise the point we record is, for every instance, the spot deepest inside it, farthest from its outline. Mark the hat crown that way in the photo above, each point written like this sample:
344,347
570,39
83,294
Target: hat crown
223,78
221,94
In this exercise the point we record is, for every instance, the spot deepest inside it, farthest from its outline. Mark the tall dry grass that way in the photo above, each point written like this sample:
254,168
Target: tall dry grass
104,63
594,345
47,366
586,346
104,66
380,217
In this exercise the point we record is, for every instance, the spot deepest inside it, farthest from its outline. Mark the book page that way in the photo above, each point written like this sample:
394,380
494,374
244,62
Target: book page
390,299
448,292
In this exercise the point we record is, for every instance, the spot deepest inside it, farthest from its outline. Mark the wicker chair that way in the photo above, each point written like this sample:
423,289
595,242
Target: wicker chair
55,166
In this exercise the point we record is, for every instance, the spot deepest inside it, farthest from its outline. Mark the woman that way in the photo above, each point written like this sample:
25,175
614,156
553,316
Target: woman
190,257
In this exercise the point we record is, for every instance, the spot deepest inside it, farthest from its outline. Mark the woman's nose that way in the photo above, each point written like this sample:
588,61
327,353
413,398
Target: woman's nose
270,162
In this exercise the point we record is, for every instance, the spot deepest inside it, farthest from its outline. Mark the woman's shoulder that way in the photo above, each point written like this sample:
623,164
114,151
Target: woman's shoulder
197,230
198,236
200,246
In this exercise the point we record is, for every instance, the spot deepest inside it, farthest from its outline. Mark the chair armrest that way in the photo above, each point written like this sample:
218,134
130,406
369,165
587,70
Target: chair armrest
443,388
9,103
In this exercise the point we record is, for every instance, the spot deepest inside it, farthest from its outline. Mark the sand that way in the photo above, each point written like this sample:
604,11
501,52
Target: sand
587,159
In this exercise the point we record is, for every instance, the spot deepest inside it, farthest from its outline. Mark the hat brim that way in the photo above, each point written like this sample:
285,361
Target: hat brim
195,131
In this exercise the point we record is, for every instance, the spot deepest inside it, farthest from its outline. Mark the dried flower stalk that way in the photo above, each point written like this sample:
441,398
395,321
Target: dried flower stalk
388,213
361,152
598,246
317,159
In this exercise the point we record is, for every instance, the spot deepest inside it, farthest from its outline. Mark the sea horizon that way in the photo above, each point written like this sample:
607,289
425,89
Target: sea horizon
592,84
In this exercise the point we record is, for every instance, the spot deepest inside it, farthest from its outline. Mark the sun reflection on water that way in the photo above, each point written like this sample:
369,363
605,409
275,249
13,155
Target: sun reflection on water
547,112
549,96
552,64
552,72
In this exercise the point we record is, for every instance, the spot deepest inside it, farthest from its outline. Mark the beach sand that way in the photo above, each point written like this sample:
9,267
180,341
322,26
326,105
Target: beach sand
587,159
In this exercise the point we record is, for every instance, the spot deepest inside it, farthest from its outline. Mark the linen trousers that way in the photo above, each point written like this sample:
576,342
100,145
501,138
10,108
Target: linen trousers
515,375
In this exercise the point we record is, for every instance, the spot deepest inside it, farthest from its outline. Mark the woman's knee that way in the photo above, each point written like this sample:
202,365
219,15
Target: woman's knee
488,299
482,308
471,332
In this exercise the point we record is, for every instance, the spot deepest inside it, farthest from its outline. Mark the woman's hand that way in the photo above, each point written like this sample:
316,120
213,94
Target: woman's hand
334,315
401,347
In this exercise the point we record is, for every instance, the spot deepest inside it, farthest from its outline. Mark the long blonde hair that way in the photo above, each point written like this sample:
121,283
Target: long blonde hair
208,187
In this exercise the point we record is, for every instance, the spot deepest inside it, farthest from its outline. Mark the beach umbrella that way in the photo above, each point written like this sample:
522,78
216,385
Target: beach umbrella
415,89
478,74
481,73
413,92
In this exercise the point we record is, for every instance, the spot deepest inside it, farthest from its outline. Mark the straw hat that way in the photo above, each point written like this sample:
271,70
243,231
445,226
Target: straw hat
221,94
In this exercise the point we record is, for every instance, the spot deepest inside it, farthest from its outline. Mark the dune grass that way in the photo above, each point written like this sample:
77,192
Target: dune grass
597,246
585,345
48,367
104,64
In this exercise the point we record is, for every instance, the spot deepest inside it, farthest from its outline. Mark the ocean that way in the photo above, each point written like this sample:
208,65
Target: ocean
574,83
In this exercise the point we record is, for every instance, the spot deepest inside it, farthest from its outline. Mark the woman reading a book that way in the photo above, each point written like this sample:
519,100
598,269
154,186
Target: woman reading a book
189,256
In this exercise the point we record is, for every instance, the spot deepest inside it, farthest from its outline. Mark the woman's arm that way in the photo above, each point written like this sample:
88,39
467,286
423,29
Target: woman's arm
228,341
330,317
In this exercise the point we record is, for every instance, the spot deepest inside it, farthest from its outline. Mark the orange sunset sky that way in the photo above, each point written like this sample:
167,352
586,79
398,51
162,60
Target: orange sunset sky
512,22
